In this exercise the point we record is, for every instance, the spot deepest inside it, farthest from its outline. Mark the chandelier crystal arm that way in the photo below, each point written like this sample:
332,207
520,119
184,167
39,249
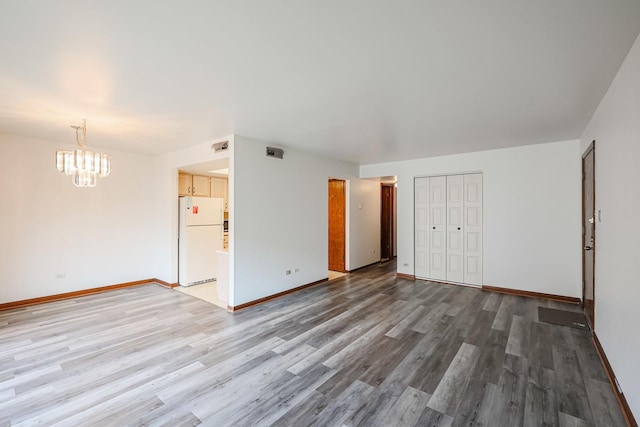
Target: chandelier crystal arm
82,143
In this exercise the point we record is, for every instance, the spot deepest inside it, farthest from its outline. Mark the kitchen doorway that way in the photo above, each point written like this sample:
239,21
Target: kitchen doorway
202,257
337,225
588,234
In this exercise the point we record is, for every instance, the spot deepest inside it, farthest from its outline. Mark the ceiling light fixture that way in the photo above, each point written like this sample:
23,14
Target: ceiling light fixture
82,165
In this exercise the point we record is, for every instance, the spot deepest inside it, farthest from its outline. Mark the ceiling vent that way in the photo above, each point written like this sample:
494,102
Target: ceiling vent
220,146
275,152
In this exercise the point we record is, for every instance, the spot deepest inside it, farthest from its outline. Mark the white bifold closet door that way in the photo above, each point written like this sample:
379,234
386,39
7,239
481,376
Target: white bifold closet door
422,228
473,229
448,228
438,241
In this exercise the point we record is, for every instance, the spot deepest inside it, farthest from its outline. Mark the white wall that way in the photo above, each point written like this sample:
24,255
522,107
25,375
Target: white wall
281,219
364,223
531,206
277,216
95,236
616,129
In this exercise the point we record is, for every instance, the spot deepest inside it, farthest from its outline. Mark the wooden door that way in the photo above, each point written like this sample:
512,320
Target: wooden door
473,229
438,237
588,234
421,199
337,225
386,222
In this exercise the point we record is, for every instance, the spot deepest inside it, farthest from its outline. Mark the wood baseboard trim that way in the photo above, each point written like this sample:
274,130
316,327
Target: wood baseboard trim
405,276
274,296
622,401
165,284
521,293
363,267
80,293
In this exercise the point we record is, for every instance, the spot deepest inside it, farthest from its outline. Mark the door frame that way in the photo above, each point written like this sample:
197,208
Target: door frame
591,319
389,207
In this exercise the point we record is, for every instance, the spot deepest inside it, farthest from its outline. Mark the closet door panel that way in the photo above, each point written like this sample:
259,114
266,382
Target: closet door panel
455,221
473,229
438,236
422,222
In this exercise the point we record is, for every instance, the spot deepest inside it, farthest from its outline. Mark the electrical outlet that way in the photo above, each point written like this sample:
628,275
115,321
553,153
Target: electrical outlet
297,270
406,264
287,273
60,276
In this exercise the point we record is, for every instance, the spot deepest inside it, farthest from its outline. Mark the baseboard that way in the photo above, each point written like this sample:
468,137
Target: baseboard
83,292
521,293
622,401
274,296
165,284
405,276
363,267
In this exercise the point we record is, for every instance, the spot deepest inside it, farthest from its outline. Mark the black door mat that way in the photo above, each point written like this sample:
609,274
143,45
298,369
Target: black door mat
563,318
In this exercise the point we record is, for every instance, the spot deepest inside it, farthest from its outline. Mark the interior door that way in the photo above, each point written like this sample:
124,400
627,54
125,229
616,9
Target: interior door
421,200
438,237
386,222
455,247
337,225
473,229
588,234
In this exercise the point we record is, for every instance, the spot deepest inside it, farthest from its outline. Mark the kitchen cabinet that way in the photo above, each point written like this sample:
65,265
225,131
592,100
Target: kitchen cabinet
201,186
220,189
184,184
193,185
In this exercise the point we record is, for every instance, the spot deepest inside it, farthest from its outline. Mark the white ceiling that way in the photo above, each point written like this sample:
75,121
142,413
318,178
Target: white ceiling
361,80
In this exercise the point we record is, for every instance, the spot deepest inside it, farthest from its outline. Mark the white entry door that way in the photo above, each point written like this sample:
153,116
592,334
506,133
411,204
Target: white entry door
455,247
473,229
422,222
438,238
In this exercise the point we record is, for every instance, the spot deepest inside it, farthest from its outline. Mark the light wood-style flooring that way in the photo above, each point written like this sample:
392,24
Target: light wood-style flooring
363,350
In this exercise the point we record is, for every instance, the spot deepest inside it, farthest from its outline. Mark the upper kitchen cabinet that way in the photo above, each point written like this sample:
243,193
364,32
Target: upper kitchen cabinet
184,184
220,189
193,185
201,186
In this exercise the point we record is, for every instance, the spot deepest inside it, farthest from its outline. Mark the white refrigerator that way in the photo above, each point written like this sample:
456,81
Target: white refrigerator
200,236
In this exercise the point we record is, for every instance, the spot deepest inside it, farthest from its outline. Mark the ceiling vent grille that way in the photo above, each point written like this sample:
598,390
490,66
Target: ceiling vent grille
220,146
275,152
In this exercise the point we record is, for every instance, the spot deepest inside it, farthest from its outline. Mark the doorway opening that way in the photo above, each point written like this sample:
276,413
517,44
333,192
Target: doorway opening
588,234
337,227
203,232
387,222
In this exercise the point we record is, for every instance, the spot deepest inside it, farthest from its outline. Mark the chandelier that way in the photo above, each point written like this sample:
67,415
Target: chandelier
82,165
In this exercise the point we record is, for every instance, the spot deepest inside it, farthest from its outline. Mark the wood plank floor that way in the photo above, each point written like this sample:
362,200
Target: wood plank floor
363,350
